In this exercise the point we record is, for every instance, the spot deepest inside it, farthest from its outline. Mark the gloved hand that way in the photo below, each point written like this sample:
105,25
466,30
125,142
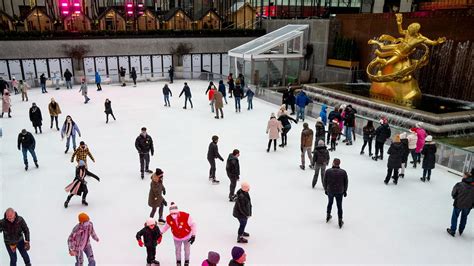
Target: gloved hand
159,240
27,245
140,243
345,194
98,179
152,153
192,239
326,192
164,191
222,160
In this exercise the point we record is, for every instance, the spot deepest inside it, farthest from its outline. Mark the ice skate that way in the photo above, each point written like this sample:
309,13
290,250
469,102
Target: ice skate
452,233
341,223
242,240
460,232
26,167
401,175
328,218
362,153
215,182
66,203
422,179
302,167
36,164
161,221
149,171
84,202
186,263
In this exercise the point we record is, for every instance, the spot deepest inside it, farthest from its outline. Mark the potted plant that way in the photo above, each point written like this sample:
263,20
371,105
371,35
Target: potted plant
77,53
178,52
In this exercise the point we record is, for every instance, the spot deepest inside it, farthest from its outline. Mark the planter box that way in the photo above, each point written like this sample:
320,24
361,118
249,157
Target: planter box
343,63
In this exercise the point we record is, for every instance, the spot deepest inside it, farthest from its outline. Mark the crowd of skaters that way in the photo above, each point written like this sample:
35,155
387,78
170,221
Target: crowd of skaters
329,129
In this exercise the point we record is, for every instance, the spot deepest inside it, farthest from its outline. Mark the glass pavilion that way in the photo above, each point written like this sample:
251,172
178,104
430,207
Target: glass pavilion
272,60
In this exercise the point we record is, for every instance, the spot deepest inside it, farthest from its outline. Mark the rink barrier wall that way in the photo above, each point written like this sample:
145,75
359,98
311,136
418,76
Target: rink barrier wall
457,160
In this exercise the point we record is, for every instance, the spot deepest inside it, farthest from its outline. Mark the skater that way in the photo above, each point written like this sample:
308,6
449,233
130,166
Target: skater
349,123
16,235
54,112
144,146
320,131
243,211
240,81
382,133
6,103
151,238
334,132
24,87
57,79
122,73
285,122
3,85
69,131
395,159
230,82
15,85
334,114
405,153
155,196
81,153
212,155
133,76
212,90
306,145
183,229
79,240
219,104
282,111
463,195
108,110
213,259
167,94
420,143
171,74
221,89
412,140
368,135
79,184
302,100
83,89
187,95
429,158
36,118
288,99
43,83
98,81
28,144
238,94
335,184
233,172
238,257
323,114
67,77
320,161
249,94
274,128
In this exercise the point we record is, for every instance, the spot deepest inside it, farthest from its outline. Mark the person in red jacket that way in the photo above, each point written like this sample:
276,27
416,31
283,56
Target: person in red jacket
152,236
184,232
212,90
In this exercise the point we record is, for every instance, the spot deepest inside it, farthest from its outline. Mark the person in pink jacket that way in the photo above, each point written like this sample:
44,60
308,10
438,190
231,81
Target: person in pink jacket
420,143
15,85
79,240
274,128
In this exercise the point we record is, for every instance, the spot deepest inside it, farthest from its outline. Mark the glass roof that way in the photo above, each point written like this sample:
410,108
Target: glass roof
270,40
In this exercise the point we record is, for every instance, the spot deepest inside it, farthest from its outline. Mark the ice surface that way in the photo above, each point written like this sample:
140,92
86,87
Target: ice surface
402,224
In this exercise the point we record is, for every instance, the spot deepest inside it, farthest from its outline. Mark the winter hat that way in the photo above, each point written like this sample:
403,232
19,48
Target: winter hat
272,115
403,135
381,121
83,217
213,257
23,131
82,143
215,138
82,163
419,124
158,172
429,138
237,253
173,208
321,142
245,186
150,221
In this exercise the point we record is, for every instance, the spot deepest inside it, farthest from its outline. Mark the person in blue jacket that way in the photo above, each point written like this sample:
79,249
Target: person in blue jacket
301,101
249,94
324,114
98,80
221,89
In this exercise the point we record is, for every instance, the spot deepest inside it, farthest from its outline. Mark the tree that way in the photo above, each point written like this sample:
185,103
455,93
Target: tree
180,50
77,53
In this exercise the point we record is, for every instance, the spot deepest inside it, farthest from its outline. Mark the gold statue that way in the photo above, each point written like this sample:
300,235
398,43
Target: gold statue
391,71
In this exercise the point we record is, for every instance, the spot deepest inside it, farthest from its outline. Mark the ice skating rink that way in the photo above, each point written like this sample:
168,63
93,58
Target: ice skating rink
403,224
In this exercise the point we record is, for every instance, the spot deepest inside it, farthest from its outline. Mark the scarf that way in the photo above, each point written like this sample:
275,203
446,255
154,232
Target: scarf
69,127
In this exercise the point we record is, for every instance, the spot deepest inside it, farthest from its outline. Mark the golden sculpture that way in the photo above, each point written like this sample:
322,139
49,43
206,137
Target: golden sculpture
391,72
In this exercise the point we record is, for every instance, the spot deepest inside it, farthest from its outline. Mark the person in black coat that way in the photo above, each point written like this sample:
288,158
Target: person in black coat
166,94
151,238
67,77
28,144
108,110
368,135
405,153
233,172
429,158
320,161
187,95
382,133
36,118
133,75
463,195
238,94
335,185
78,186
394,162
288,99
212,155
334,114
3,85
242,211
43,83
122,72
285,122
16,236
144,145
349,123
171,74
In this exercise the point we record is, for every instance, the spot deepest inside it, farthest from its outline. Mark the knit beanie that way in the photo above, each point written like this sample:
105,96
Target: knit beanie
150,221
237,253
213,257
321,142
159,172
83,217
173,208
429,138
